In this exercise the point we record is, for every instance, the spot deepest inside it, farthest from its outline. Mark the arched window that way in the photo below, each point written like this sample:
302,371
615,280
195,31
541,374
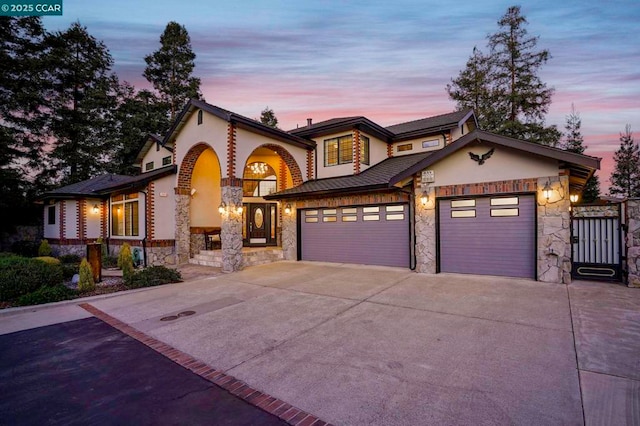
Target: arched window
259,179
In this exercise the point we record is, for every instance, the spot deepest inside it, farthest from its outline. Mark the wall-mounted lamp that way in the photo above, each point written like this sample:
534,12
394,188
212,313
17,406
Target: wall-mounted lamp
287,209
424,198
95,209
239,209
193,191
546,191
574,198
222,208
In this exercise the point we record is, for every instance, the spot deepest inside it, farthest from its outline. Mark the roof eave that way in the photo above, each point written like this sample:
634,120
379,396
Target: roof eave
328,192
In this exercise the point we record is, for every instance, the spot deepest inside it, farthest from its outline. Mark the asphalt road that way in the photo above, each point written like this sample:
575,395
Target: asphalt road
86,372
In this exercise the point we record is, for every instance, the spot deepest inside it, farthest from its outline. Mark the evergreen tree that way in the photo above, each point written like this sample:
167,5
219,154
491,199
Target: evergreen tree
574,142
170,69
625,179
82,100
505,87
268,118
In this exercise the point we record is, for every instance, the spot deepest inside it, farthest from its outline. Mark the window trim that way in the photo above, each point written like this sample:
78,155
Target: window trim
200,119
148,166
51,216
337,140
132,226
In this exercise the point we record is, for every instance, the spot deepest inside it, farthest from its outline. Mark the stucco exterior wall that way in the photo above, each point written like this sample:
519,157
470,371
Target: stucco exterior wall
164,206
330,171
92,224
156,154
212,131
71,219
377,151
53,230
417,145
205,179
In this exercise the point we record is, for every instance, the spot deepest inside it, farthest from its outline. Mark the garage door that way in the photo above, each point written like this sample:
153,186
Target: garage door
488,236
371,235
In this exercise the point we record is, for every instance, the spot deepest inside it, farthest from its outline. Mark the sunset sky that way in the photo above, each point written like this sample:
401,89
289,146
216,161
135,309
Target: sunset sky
389,61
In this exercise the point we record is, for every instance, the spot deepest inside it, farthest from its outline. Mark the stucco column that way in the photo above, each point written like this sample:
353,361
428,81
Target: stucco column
633,242
289,232
183,230
231,228
554,232
425,217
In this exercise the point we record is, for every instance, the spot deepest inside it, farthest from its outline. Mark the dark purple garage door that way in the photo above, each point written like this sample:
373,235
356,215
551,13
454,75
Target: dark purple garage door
488,236
371,235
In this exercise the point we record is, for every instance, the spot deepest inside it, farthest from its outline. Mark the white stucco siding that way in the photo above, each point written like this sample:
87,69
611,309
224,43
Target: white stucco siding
92,225
505,164
212,131
164,208
247,142
71,219
377,151
416,145
52,230
330,171
156,154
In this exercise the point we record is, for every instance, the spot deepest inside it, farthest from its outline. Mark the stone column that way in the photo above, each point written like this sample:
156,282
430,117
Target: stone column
633,242
554,232
231,229
289,232
425,217
183,229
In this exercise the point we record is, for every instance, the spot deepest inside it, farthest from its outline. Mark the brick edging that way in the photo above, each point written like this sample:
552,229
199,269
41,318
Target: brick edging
268,403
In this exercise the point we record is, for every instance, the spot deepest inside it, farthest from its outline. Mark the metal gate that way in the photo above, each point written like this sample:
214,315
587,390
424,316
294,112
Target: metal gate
596,247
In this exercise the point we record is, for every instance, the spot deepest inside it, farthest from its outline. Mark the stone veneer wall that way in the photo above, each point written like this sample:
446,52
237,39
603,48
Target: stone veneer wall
425,222
633,242
231,229
607,210
289,237
554,231
183,231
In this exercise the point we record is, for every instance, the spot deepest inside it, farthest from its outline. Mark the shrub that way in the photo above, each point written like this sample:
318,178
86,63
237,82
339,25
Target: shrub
70,259
86,282
69,270
47,295
44,249
109,261
25,248
48,259
152,276
20,275
125,262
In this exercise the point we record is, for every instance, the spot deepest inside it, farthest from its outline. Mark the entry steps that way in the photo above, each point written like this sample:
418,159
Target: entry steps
250,256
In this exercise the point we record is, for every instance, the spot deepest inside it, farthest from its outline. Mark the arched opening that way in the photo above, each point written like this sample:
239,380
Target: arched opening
269,169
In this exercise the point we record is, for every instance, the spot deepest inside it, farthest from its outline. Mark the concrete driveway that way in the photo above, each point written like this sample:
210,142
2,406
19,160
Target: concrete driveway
366,345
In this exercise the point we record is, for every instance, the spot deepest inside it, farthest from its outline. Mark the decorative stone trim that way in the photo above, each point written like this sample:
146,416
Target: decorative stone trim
447,138
71,241
231,228
288,236
608,210
231,149
231,181
356,151
425,231
272,405
150,210
63,227
183,234
310,164
138,243
487,188
354,200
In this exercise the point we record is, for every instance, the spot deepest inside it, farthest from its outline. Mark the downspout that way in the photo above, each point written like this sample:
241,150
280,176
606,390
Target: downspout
144,240
412,229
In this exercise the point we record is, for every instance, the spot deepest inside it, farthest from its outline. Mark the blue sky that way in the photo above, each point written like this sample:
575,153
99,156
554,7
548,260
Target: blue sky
388,61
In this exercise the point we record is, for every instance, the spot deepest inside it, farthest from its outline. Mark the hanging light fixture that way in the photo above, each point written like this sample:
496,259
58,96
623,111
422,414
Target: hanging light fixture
546,191
424,198
287,209
258,168
574,198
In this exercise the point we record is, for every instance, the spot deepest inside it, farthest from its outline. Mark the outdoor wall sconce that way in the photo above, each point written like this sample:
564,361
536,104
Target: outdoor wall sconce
239,209
546,191
574,198
222,208
95,209
424,198
193,191
287,209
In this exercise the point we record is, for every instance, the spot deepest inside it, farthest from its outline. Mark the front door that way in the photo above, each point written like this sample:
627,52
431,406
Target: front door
260,224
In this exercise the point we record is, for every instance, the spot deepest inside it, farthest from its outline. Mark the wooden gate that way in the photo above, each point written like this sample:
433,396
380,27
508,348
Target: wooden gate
597,243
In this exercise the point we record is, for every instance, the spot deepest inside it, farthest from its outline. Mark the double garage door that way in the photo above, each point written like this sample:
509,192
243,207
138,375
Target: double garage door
488,236
369,235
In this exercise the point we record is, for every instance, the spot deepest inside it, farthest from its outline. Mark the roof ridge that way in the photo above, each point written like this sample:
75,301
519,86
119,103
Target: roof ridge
430,117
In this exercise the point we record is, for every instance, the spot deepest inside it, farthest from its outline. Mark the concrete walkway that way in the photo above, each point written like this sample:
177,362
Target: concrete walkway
367,345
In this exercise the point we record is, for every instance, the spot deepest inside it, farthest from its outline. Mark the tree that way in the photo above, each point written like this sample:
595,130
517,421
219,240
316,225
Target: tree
170,68
268,118
625,179
504,85
574,142
81,100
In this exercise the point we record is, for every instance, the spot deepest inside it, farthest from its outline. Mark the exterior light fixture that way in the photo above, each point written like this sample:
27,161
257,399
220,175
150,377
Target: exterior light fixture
258,168
287,209
222,208
239,209
95,209
424,198
546,191
574,198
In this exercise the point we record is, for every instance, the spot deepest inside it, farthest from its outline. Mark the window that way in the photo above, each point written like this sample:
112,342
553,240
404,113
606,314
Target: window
51,215
166,161
148,166
430,143
405,147
124,215
364,150
339,151
199,117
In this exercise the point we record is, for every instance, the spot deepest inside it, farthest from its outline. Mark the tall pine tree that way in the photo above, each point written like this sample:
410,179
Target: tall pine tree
81,100
268,118
504,85
625,179
170,69
574,142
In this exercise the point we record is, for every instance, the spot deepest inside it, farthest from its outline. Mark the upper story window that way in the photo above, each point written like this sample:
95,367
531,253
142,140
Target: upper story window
430,143
124,215
340,150
166,160
199,117
148,166
51,215
364,150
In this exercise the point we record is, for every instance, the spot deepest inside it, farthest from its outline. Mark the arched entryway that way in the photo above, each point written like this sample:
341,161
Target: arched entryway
268,169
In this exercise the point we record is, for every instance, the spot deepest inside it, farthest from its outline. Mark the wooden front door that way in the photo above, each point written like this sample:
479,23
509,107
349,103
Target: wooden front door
260,224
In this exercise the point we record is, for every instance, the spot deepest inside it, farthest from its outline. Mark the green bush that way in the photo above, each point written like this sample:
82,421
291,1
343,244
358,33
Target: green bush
152,276
86,282
47,295
20,275
44,249
109,261
69,270
25,248
48,259
70,259
125,262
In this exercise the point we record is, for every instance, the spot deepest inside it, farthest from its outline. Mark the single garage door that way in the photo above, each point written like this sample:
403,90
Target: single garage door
488,236
371,235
